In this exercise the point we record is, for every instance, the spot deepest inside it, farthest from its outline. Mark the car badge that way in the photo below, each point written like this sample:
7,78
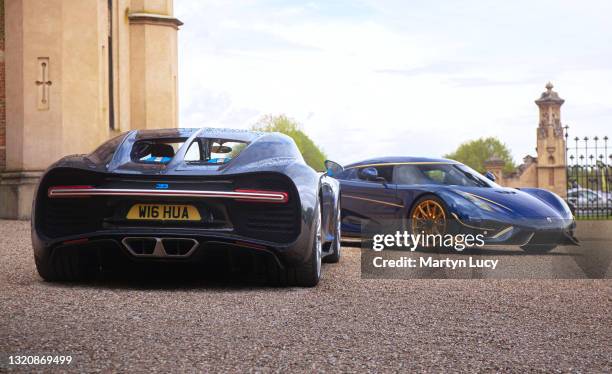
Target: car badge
161,186
549,219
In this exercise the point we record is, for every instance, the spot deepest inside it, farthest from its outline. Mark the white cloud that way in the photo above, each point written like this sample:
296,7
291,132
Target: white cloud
382,78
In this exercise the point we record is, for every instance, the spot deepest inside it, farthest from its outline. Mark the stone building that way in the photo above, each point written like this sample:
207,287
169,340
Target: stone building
548,169
75,73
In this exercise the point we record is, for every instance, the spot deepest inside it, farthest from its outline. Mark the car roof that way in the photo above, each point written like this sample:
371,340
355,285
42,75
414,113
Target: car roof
400,160
207,132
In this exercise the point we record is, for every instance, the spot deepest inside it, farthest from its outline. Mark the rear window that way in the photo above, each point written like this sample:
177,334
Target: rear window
222,152
155,151
201,150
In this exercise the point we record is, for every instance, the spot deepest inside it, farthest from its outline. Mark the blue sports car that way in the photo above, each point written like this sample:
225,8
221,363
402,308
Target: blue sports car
434,195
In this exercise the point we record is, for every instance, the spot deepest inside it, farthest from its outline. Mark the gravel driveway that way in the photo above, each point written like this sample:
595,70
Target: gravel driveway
345,324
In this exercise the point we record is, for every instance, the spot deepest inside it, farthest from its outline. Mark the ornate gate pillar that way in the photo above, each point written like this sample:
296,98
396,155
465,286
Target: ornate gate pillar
551,148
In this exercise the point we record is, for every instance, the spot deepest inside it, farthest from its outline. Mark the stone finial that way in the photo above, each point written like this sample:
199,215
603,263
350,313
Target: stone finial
549,96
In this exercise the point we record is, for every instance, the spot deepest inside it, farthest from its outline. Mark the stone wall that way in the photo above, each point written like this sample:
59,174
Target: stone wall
2,92
77,73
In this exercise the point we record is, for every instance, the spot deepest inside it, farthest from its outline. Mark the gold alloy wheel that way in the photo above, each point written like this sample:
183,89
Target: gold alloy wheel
428,217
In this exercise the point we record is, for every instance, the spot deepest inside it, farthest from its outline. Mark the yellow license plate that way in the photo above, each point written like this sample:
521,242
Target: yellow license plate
164,212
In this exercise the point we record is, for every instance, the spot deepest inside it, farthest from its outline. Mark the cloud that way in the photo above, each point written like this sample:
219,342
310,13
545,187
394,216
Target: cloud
373,78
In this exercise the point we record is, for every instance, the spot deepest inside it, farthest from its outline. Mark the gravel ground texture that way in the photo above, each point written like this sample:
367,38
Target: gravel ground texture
345,324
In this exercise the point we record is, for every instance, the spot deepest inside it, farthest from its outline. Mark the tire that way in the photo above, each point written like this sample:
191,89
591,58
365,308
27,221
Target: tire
439,226
450,226
336,246
435,201
66,264
538,248
308,273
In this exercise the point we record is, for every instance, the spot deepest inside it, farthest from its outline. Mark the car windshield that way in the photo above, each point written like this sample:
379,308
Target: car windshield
440,173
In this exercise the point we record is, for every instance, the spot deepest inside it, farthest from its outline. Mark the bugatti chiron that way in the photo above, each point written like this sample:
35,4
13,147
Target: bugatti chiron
440,195
178,195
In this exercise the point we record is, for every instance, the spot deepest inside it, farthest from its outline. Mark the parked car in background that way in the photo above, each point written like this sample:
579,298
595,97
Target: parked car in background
587,202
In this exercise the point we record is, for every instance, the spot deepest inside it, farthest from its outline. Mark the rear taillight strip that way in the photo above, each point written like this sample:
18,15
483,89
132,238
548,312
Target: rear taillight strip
247,195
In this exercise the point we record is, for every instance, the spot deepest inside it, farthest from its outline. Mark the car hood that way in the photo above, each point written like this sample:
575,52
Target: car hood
514,202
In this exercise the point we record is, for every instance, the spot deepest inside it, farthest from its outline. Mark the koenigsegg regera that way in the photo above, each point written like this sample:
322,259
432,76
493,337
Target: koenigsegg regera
177,195
434,195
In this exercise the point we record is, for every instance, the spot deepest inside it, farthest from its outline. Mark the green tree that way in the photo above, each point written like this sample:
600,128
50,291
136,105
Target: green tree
312,154
475,152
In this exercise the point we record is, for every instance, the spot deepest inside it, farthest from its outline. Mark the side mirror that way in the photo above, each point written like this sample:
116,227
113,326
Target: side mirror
369,174
333,168
490,176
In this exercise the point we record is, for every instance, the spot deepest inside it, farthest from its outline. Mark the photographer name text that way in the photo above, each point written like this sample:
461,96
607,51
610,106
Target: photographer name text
430,262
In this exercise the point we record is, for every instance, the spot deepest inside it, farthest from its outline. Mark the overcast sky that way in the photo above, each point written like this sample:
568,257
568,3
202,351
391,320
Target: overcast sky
377,78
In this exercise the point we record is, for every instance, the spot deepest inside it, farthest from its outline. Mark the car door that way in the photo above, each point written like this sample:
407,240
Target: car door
364,201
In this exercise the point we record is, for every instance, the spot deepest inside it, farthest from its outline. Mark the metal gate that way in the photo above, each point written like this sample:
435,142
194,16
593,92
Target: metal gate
589,176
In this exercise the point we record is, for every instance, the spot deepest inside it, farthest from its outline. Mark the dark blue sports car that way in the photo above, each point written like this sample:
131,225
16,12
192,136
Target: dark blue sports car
435,195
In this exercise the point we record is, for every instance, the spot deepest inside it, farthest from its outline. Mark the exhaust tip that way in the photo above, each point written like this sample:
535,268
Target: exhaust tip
178,247
160,247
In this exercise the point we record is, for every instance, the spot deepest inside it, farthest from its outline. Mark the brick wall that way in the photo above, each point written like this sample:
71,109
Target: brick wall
2,92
